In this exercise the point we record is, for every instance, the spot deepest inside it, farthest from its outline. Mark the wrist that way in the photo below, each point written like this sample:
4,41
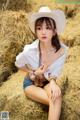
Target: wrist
52,79
53,82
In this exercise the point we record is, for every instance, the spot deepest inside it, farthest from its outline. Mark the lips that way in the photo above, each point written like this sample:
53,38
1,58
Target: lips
44,37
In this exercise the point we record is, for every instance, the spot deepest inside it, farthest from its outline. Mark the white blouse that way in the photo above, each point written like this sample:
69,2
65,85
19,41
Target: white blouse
30,56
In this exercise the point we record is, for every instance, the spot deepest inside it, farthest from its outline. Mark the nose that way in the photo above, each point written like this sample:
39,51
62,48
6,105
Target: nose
43,31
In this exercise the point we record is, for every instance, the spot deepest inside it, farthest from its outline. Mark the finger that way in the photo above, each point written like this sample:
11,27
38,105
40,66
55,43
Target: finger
52,95
41,67
55,95
53,98
45,66
59,92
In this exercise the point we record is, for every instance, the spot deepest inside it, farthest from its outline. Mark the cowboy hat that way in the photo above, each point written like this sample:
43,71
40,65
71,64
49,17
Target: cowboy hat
57,15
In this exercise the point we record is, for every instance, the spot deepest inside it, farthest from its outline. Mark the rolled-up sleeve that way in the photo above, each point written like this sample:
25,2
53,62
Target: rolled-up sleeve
21,58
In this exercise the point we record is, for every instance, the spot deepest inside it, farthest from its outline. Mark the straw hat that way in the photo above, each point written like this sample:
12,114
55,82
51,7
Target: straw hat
57,15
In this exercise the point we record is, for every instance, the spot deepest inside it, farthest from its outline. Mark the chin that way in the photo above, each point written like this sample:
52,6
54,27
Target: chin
44,40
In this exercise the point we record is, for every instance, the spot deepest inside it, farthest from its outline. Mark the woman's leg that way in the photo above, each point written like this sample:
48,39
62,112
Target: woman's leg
43,96
54,107
36,93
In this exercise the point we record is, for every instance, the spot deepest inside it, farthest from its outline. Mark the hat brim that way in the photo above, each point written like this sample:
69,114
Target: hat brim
57,16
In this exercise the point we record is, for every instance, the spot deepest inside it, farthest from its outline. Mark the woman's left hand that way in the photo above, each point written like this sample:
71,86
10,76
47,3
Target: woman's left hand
41,70
55,90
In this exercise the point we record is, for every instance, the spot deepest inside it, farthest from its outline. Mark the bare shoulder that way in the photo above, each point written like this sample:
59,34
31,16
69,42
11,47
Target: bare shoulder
61,51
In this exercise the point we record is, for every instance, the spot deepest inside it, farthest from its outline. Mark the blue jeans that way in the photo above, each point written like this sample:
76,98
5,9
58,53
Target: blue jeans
27,82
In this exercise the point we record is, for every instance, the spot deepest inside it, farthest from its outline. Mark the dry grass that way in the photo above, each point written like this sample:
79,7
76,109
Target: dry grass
16,5
14,34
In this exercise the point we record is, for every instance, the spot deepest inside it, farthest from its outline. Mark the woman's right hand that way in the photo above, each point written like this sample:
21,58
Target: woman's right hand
41,70
31,75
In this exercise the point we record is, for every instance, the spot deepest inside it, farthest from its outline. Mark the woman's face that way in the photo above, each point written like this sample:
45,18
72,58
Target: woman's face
44,32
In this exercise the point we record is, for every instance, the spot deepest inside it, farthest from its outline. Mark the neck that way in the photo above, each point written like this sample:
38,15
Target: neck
46,46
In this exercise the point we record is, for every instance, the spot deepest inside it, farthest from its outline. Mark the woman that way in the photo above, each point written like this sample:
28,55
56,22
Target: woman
44,59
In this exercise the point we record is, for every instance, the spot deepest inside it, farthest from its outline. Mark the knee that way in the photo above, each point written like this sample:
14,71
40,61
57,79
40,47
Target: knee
55,98
59,97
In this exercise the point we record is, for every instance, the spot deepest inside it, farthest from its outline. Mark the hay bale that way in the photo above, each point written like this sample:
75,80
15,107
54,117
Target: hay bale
74,54
14,34
16,5
71,34
71,92
3,99
19,106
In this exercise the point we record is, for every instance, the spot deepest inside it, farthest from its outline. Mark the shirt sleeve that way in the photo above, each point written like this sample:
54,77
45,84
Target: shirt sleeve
21,58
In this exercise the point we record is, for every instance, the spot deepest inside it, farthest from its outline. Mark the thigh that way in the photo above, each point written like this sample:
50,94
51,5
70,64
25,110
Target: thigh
37,93
27,82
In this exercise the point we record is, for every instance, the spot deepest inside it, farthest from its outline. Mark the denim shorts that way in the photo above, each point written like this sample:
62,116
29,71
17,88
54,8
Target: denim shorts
27,82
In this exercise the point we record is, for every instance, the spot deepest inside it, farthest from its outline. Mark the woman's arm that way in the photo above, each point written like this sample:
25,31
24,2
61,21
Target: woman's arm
24,69
29,71
55,90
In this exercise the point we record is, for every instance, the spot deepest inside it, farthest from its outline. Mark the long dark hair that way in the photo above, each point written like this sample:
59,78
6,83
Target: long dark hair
49,22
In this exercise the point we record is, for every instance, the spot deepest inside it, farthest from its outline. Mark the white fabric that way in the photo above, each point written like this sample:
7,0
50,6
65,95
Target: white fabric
30,55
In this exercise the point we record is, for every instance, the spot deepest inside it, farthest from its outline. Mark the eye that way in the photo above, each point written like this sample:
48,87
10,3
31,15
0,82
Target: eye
38,28
48,27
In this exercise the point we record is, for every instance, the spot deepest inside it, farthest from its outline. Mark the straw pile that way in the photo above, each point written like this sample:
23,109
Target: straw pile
14,34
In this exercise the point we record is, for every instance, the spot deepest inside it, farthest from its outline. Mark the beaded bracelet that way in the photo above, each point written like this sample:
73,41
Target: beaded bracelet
52,78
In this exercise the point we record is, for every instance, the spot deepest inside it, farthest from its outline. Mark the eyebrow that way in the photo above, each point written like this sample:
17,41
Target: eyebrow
38,26
41,25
